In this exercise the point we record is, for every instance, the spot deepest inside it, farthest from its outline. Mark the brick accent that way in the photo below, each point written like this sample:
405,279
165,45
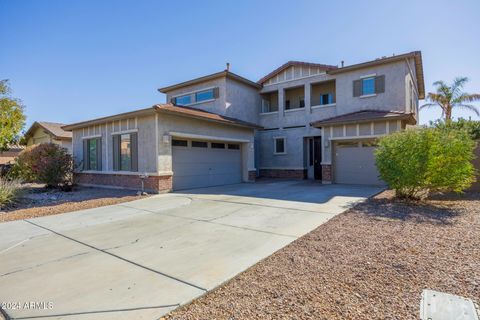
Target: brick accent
154,184
284,173
252,175
327,176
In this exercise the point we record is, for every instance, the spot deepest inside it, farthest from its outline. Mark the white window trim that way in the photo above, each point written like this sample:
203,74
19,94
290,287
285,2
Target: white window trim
368,95
275,145
92,137
124,132
372,75
324,105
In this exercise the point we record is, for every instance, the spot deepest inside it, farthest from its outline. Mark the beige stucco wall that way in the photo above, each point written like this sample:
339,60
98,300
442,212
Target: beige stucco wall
168,125
145,128
41,136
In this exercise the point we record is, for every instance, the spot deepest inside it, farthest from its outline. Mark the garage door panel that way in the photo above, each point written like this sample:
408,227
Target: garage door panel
356,165
204,167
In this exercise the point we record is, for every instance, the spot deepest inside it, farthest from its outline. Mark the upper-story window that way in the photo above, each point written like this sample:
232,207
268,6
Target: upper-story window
368,86
183,100
196,97
326,98
204,95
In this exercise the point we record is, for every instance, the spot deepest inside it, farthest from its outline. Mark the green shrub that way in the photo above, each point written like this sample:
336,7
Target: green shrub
45,163
418,161
9,191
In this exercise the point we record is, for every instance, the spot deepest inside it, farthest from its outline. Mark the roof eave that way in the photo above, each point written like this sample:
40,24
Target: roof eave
409,117
236,124
212,76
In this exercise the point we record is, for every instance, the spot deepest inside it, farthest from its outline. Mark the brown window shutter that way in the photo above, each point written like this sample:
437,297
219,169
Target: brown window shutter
357,88
380,84
99,154
116,152
216,92
134,148
85,154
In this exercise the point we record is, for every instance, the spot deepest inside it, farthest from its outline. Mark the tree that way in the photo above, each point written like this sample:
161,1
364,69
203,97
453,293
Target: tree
12,118
449,97
416,162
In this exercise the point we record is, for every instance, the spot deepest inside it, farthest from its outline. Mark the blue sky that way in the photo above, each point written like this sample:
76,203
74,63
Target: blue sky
76,60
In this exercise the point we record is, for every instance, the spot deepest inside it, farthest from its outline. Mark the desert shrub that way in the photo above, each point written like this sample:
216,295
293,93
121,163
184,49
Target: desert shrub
419,161
45,163
9,191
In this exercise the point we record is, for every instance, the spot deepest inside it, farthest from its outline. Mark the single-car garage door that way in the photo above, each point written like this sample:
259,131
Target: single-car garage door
354,163
199,164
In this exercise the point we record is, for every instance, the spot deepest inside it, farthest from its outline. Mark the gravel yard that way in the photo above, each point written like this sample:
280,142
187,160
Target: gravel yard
371,262
36,201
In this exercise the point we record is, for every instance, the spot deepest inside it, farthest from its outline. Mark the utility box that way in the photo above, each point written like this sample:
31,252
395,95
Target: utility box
437,305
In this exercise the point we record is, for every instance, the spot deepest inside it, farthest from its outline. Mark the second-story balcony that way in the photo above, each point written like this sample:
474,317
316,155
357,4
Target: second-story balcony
270,102
323,94
294,98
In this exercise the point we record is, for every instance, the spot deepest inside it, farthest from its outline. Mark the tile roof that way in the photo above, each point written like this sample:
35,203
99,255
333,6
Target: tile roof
202,114
53,128
365,116
295,63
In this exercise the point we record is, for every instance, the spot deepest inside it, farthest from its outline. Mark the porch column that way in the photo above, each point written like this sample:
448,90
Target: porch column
307,96
281,102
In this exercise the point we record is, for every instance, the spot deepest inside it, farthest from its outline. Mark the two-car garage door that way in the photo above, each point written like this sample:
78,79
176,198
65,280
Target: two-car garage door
198,164
354,163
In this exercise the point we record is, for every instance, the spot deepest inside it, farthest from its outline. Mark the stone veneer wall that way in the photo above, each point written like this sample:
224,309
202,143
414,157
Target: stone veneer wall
284,173
327,176
155,184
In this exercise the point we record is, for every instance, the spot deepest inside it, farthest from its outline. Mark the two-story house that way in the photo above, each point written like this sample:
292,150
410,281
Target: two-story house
303,120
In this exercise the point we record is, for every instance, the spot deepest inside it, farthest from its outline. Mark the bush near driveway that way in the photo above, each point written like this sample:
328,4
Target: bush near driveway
9,191
419,161
45,163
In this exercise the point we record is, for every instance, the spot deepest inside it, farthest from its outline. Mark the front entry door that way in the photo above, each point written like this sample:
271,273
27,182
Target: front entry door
317,158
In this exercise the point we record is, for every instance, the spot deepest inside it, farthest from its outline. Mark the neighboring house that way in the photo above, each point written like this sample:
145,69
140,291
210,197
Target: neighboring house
8,156
45,132
303,120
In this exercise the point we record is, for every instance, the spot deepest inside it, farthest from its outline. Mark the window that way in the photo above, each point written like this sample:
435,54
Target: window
233,146
368,86
92,156
301,103
266,107
287,105
125,152
279,146
199,144
183,100
326,98
204,95
196,97
216,145
179,143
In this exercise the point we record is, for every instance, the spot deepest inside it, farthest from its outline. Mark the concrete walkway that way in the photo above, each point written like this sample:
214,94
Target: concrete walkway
142,259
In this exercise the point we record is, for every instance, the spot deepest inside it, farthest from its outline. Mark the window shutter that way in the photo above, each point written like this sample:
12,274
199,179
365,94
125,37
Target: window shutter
216,92
85,154
357,88
134,148
99,154
116,152
380,84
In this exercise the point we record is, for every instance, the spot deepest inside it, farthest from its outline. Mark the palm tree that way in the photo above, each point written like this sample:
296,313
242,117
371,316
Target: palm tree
449,97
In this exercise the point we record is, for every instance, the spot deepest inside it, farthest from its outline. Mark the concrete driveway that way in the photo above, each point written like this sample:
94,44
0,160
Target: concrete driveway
141,259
